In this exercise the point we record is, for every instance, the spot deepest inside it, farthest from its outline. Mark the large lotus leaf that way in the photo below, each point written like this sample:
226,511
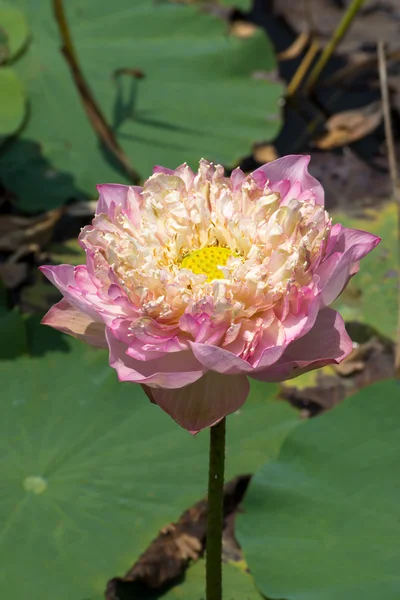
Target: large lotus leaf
12,101
14,31
198,97
371,296
241,4
244,5
237,585
322,521
12,334
91,470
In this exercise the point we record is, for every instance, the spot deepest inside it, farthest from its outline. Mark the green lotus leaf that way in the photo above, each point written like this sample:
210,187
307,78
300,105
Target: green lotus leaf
91,470
244,5
321,522
12,334
12,102
198,96
14,31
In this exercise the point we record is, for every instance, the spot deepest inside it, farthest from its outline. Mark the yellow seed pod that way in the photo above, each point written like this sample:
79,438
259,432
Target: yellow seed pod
207,260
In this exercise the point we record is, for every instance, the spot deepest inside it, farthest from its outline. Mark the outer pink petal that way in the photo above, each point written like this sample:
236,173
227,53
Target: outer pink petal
271,347
183,171
173,370
125,196
186,174
335,271
220,360
66,318
110,193
237,178
205,402
164,170
292,168
326,343
78,288
275,343
63,277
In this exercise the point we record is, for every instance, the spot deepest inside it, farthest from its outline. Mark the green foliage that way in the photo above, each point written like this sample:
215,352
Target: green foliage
12,334
12,102
91,470
371,296
197,98
14,31
244,5
321,522
13,37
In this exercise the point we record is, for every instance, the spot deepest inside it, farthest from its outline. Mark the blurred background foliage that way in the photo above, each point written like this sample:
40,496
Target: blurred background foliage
100,492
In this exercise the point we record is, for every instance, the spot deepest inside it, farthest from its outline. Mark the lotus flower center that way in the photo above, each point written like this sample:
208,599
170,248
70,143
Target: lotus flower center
207,260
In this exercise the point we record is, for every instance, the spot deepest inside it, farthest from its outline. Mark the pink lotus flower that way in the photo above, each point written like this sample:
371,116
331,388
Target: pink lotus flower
197,282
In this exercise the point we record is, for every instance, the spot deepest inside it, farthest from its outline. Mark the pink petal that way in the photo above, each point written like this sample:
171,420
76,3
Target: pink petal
126,196
357,241
77,287
110,193
334,236
279,335
296,326
326,343
63,277
335,271
269,349
225,362
173,370
186,174
237,178
205,402
66,318
202,328
292,168
220,360
164,170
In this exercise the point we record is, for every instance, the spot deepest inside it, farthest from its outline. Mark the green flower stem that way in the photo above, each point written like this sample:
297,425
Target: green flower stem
93,110
342,28
215,512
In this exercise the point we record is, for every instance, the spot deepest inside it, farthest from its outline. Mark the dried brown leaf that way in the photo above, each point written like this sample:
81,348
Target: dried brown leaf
13,274
180,543
16,232
376,20
369,362
265,153
243,29
350,125
296,48
353,363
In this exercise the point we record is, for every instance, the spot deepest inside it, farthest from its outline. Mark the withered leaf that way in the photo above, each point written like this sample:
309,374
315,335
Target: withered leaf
265,153
13,274
243,29
179,543
369,362
296,48
349,126
16,231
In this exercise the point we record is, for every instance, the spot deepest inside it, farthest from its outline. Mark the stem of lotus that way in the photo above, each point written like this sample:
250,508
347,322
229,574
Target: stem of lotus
215,512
